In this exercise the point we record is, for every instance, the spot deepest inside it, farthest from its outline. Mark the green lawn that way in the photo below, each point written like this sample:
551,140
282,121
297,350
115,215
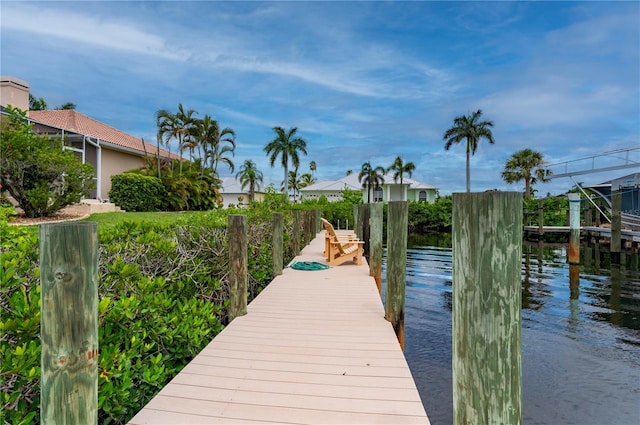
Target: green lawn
108,220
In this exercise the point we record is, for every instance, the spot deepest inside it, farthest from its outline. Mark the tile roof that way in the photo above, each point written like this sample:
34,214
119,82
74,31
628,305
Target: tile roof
76,122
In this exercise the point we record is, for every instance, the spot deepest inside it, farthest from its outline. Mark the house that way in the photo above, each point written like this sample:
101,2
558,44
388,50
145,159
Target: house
409,190
233,193
109,150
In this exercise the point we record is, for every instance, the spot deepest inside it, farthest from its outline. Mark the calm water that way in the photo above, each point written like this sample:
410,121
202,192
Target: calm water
581,345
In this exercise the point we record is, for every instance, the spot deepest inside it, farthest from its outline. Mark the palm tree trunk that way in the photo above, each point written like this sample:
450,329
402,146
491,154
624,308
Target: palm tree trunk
527,190
286,181
468,173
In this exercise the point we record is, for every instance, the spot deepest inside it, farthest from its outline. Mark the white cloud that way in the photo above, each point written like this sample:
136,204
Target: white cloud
85,29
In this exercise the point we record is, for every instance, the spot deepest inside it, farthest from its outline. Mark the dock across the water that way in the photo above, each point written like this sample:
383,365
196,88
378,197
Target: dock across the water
630,237
314,348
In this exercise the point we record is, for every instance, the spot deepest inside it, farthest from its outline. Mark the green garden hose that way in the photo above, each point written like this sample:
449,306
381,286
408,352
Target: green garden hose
308,265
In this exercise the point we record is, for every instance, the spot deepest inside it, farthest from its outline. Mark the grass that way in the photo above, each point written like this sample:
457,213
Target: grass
110,220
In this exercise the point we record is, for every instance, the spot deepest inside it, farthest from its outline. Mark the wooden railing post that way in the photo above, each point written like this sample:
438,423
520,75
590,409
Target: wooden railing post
616,226
397,226
277,249
318,214
238,265
69,323
375,244
363,226
309,226
297,225
487,301
574,228
540,217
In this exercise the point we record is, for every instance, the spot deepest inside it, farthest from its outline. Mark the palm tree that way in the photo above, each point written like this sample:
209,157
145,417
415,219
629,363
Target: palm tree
468,127
306,180
184,129
286,144
215,143
525,165
251,176
371,178
400,168
167,129
312,167
293,182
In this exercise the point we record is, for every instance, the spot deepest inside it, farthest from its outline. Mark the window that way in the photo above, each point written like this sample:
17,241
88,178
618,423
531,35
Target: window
422,196
377,195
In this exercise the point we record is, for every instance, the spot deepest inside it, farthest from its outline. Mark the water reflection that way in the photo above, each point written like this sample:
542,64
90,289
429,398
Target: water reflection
581,333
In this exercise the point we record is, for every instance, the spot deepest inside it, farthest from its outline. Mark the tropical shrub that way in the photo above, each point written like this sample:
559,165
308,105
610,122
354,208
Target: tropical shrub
37,171
135,192
555,211
162,298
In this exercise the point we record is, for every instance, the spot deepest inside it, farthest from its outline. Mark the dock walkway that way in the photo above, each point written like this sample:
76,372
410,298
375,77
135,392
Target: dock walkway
314,348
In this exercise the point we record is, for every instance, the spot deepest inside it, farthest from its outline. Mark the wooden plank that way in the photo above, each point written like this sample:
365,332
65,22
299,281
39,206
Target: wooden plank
293,359
282,413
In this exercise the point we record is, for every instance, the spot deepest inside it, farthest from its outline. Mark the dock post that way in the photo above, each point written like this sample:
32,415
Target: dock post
363,216
238,265
375,245
296,232
616,226
487,302
277,249
397,225
574,228
69,323
358,231
311,226
305,228
588,214
540,217
318,214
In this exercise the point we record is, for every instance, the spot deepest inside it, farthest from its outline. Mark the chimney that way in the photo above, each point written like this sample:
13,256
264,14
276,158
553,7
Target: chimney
14,92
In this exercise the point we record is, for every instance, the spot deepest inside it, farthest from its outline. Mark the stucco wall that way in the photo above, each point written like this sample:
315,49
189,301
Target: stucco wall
114,162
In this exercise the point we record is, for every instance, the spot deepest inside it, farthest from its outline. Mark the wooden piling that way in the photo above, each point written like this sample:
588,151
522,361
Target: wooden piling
310,226
295,238
318,223
363,224
574,228
487,354
69,323
540,217
238,265
616,226
397,227
357,224
277,248
375,244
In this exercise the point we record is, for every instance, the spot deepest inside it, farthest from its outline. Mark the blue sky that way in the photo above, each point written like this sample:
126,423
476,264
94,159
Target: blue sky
363,81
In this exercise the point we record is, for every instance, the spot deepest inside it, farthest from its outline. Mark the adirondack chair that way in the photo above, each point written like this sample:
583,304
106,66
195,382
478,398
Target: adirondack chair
331,232
340,249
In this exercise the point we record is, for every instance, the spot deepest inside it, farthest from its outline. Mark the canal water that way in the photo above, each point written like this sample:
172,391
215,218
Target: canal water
580,343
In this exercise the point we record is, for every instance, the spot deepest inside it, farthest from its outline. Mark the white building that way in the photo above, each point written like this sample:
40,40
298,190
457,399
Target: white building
409,190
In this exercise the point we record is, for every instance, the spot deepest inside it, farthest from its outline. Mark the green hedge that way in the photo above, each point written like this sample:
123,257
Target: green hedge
135,192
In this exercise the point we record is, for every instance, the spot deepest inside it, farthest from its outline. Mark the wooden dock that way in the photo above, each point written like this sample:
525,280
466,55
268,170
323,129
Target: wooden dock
314,348
605,232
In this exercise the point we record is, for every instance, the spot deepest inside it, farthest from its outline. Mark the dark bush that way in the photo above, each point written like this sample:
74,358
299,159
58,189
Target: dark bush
135,192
